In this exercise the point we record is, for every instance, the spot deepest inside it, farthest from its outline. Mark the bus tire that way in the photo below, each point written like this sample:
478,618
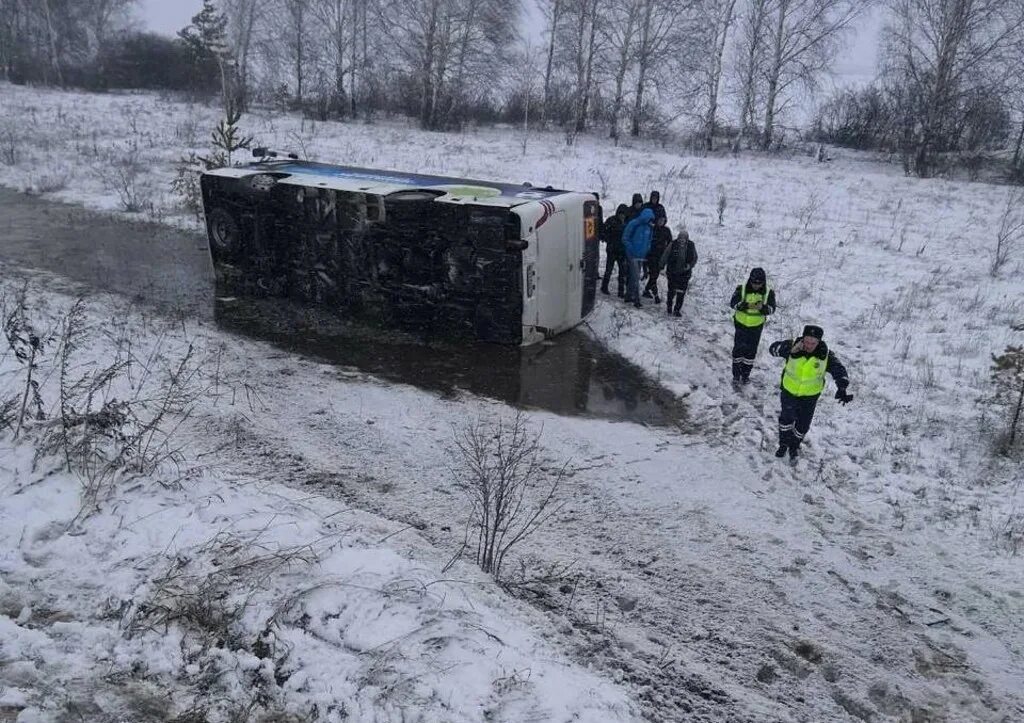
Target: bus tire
225,233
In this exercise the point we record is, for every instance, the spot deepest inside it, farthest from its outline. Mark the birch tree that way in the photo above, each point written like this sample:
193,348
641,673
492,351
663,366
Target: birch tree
804,38
243,17
716,19
657,21
619,32
578,53
450,47
938,51
751,54
553,10
297,17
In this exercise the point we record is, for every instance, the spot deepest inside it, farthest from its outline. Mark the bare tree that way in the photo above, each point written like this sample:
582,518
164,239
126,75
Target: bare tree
297,19
500,467
451,50
657,21
619,35
525,83
751,54
243,17
553,10
578,52
803,42
13,37
938,51
1016,98
1010,233
716,19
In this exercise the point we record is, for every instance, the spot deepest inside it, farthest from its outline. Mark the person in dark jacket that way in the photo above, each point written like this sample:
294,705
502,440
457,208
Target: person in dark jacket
615,252
678,261
752,303
808,359
660,240
635,207
636,238
654,203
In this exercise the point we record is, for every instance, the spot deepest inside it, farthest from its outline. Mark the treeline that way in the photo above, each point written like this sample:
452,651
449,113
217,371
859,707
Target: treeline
730,70
950,87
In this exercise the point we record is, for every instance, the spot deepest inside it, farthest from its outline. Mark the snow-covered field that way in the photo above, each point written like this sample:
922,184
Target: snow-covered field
878,580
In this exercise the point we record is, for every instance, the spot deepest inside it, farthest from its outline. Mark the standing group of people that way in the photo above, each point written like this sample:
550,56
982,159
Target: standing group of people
639,242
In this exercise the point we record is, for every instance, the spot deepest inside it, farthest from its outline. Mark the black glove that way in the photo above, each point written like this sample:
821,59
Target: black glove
843,397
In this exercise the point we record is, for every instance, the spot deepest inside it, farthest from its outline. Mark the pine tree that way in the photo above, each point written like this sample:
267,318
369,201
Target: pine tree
206,39
226,138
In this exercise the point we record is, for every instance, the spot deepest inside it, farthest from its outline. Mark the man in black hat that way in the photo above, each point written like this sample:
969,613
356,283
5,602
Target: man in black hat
654,203
752,303
635,206
808,359
615,252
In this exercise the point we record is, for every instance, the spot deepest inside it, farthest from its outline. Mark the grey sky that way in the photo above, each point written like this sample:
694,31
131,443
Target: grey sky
167,17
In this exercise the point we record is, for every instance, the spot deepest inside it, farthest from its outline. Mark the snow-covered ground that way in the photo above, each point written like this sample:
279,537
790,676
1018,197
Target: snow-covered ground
875,581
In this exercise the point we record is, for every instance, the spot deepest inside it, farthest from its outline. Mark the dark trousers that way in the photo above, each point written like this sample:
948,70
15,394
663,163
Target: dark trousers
633,279
653,272
611,261
744,349
795,418
677,286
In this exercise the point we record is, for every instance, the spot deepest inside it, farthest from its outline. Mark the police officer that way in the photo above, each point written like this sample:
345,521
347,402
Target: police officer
808,359
752,303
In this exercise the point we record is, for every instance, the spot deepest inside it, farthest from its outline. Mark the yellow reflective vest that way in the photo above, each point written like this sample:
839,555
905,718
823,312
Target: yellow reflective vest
749,317
804,376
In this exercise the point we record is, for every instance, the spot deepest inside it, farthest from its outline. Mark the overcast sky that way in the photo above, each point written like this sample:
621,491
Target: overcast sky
856,64
167,16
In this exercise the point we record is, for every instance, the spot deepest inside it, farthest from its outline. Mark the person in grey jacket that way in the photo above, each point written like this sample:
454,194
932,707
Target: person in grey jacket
678,261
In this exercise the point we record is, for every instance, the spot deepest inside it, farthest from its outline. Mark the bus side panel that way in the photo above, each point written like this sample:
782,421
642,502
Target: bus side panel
436,269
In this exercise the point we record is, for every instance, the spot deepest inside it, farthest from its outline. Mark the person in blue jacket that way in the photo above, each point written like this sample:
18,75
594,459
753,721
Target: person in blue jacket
636,238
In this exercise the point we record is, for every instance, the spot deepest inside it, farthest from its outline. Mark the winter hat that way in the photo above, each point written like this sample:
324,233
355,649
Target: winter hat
622,209
655,196
637,198
684,235
757,274
815,331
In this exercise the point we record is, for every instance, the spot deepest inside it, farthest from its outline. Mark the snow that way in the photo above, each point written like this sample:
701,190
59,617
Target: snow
874,580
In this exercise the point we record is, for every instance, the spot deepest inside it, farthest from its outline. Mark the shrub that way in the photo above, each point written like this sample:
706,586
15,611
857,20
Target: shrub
499,467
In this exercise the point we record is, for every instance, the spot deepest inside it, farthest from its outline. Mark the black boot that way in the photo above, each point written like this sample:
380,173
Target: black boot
781,451
604,289
794,452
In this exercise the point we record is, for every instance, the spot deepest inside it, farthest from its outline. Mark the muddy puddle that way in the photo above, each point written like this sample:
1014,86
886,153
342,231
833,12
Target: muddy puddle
171,271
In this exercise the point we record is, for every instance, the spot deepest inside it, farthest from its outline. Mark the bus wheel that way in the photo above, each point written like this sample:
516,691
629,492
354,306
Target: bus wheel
224,232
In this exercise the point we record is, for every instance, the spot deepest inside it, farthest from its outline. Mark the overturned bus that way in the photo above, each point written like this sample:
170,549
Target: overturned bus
447,257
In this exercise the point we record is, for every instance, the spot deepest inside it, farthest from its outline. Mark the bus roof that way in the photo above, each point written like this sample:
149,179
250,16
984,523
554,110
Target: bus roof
383,182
